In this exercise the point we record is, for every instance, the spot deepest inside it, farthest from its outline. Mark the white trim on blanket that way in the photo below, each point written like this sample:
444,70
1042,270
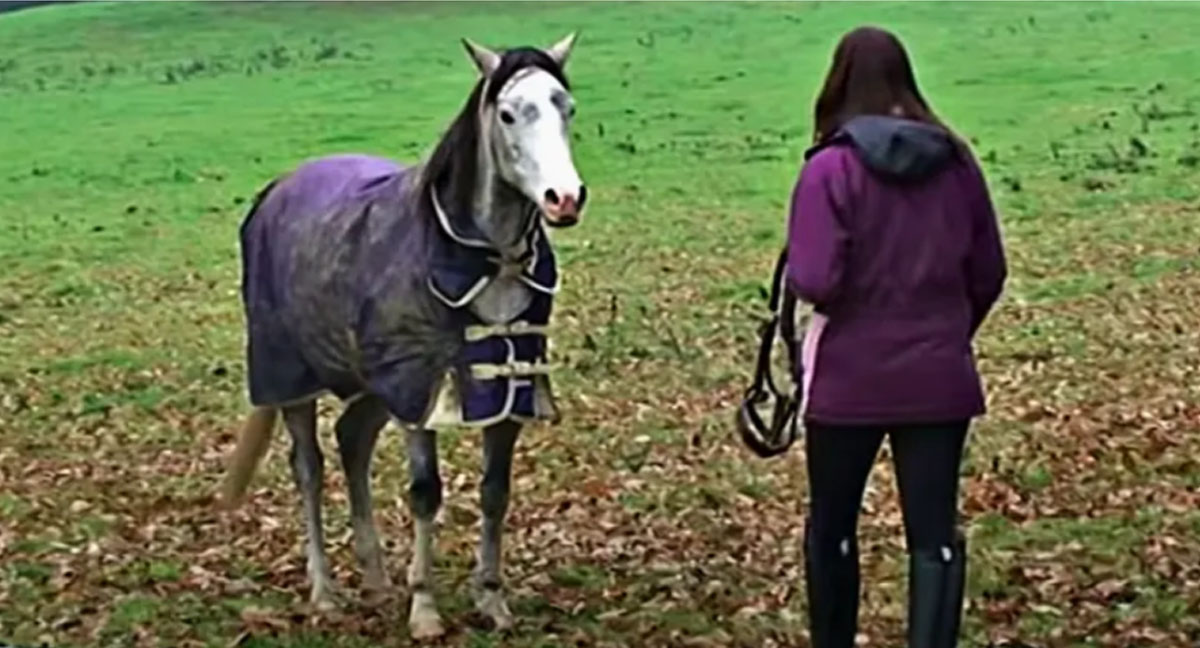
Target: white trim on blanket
465,299
444,220
297,401
527,277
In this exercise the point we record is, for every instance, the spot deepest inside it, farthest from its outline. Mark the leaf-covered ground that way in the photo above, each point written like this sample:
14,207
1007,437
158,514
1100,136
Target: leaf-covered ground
133,136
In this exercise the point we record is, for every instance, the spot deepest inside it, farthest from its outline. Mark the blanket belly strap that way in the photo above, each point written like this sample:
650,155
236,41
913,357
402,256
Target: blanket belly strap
508,370
479,332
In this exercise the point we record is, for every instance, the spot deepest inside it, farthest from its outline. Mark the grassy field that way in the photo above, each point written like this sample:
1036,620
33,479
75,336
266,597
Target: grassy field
133,135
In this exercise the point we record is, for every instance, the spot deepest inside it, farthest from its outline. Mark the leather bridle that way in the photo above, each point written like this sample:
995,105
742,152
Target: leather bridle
777,437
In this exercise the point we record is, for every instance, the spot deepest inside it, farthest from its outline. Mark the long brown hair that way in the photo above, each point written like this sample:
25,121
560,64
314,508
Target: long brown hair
870,75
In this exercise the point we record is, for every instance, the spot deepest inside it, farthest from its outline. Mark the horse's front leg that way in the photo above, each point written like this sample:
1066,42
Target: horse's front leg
425,498
498,443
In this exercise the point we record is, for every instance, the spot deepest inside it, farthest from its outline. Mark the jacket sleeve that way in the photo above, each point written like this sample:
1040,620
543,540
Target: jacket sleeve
986,266
817,238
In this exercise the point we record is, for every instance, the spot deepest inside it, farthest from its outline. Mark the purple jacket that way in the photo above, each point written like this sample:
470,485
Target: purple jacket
893,239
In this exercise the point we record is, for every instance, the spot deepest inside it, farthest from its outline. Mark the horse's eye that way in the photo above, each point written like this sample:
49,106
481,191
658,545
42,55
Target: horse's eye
507,117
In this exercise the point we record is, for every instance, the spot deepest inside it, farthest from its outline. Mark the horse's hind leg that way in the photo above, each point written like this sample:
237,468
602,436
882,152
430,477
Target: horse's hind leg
308,471
498,443
425,498
357,431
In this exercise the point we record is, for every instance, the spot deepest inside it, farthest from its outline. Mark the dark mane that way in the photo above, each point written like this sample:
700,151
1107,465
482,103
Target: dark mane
452,165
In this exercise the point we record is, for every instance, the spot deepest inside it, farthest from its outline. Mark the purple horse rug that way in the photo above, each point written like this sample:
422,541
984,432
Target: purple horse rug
355,281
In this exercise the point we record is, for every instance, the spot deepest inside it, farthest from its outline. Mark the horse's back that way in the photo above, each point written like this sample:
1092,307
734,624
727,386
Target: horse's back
301,283
325,182
310,204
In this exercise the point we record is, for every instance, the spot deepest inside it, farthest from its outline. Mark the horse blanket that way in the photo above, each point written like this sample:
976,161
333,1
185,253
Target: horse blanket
354,282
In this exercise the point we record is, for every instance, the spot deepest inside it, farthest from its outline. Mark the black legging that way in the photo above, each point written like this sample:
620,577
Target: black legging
927,459
839,462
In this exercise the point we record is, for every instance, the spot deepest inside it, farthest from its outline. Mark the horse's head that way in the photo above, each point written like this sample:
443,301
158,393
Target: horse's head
525,119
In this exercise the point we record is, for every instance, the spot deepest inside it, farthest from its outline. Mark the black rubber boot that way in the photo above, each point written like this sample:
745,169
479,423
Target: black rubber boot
831,578
935,595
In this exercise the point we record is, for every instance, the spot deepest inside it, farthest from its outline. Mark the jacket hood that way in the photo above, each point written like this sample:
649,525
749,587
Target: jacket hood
902,149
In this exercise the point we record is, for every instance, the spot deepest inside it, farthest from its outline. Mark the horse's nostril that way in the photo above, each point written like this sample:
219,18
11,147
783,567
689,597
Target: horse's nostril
582,196
551,197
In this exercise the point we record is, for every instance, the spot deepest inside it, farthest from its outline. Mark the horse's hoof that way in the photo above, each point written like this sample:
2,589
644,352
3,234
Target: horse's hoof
424,622
326,602
377,582
375,597
426,626
491,604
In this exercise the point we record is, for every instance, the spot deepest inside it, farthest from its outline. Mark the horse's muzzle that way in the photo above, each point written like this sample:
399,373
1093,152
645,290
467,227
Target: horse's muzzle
562,220
565,209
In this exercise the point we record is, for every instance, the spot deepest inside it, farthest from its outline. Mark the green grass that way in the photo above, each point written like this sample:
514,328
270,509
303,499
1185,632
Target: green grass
134,136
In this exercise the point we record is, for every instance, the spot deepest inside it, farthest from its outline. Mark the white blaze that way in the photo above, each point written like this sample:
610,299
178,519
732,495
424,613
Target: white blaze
531,142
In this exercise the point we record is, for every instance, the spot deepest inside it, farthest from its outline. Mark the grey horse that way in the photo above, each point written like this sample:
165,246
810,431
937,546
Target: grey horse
420,294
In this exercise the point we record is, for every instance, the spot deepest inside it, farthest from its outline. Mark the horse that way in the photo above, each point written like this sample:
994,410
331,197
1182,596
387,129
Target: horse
417,293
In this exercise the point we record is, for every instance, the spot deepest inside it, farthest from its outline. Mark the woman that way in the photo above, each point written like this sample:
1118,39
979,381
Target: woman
893,240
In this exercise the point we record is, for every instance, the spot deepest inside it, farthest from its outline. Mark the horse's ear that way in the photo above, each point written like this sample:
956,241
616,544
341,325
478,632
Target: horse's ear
485,60
561,50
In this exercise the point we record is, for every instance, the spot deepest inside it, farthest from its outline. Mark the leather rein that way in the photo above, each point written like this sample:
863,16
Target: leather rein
775,438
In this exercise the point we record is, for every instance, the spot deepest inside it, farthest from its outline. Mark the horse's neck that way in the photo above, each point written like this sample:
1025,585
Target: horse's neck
504,217
500,212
